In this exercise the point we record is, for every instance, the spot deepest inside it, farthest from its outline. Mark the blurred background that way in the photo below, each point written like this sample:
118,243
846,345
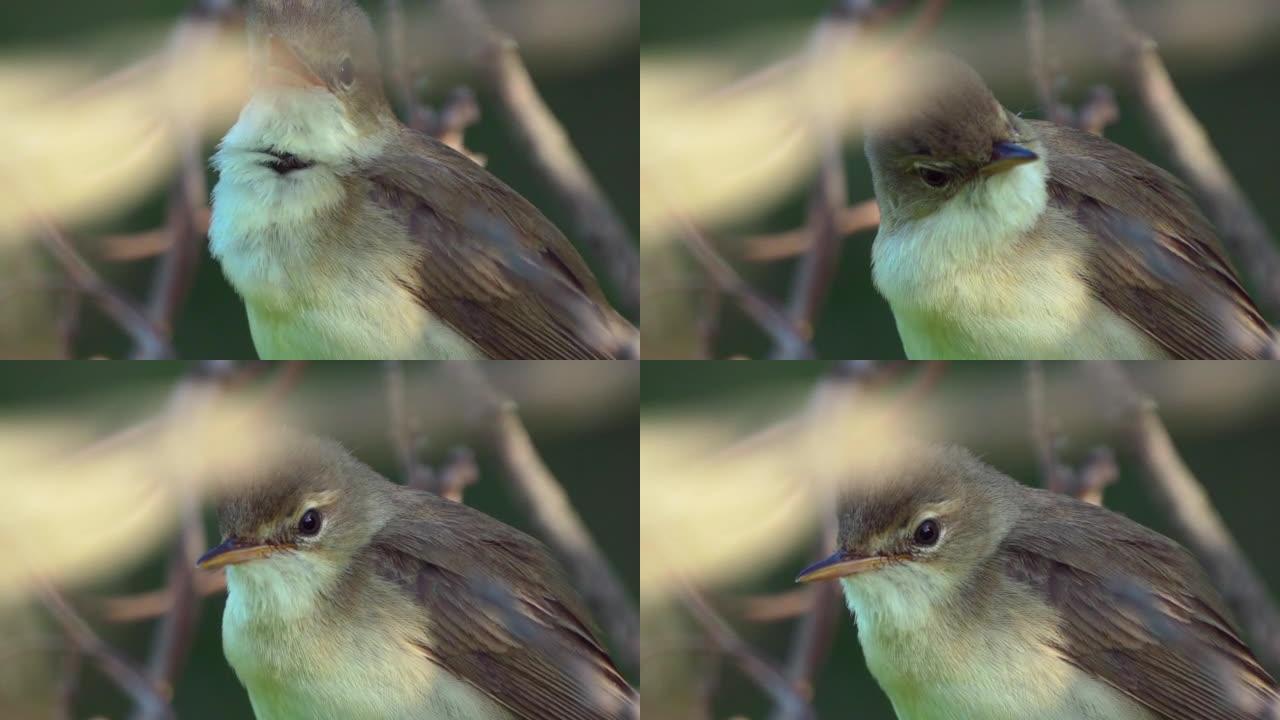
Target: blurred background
101,459
101,98
738,461
726,144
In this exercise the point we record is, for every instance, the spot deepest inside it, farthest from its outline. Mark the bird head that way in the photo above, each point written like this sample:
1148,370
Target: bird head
946,138
911,538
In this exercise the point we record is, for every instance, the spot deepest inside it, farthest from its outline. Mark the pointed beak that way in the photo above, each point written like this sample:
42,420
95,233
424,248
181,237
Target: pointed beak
286,67
842,564
1006,156
233,551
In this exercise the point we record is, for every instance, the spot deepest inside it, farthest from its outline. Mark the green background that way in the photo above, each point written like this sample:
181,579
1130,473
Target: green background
596,101
597,461
1235,99
1234,457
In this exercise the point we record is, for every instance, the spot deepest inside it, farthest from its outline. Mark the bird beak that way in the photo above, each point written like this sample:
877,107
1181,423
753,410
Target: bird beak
842,564
1006,156
233,551
286,67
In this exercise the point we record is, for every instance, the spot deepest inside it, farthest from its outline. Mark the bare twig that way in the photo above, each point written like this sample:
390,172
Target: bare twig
1043,78
1243,231
1098,111
154,603
783,605
72,667
188,198
788,341
598,225
811,641
1042,433
1187,504
817,269
150,342
405,429
778,246
1099,468
558,522
751,662
113,664
415,114
150,243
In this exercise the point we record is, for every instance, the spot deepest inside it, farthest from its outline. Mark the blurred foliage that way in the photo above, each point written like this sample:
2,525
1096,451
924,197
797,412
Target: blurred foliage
1221,67
1225,437
595,100
587,438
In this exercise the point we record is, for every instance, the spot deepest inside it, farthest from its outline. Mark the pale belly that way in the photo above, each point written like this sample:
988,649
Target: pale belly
309,297
1000,687
339,698
331,674
395,328
984,311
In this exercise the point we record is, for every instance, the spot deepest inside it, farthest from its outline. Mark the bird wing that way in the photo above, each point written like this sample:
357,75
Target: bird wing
491,265
1137,613
1155,259
522,639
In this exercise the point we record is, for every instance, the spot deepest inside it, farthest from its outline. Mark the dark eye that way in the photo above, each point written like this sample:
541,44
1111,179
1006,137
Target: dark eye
310,522
933,178
346,72
927,533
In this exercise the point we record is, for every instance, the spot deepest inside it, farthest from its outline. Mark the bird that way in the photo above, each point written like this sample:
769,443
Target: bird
351,236
979,598
1004,237
350,597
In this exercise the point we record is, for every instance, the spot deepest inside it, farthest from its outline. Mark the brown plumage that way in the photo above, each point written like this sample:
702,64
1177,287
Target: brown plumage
352,236
1002,237
1155,260
491,265
425,579
1121,603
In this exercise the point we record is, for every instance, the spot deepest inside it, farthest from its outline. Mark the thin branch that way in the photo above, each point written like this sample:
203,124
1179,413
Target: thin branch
1042,432
751,662
787,339
152,604
1243,231
816,270
598,224
415,114
811,641
150,342
149,243
1188,506
189,196
113,664
779,246
784,605
406,434
1043,79
559,523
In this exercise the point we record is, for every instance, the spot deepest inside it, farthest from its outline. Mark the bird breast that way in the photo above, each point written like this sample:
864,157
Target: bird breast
994,274
322,274
933,667
298,659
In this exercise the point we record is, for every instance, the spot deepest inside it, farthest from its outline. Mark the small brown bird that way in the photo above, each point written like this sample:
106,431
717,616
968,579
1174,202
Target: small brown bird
1003,237
353,598
351,236
980,598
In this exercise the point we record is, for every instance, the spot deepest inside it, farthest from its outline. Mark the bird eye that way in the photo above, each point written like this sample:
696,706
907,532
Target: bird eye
346,72
927,533
933,178
310,522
